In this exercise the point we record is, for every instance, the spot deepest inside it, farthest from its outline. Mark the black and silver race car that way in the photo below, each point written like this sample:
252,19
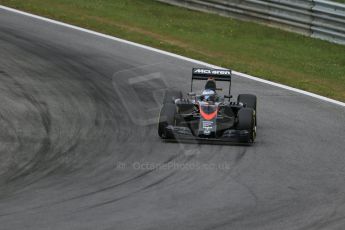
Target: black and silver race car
208,116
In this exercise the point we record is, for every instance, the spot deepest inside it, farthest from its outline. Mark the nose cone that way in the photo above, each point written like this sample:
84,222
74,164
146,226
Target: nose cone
208,112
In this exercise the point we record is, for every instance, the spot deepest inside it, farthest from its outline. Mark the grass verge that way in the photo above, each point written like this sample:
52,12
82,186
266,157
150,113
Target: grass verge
339,1
295,60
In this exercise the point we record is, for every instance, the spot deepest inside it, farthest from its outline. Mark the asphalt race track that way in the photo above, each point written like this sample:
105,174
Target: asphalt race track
79,146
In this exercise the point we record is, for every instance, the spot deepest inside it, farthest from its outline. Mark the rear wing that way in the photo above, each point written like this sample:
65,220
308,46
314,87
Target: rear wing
216,74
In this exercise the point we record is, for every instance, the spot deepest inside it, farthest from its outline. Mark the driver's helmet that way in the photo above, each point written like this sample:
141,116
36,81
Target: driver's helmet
208,95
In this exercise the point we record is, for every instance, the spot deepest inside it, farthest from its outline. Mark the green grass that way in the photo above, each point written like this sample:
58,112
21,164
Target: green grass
292,59
340,1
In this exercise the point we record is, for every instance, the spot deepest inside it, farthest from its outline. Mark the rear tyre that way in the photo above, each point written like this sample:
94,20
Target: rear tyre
246,121
166,118
171,95
250,101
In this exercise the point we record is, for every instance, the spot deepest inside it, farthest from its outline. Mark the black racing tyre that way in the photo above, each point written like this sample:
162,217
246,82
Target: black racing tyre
166,118
248,99
170,95
246,121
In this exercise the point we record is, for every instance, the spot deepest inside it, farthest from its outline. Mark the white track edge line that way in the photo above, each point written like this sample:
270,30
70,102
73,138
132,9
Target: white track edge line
173,55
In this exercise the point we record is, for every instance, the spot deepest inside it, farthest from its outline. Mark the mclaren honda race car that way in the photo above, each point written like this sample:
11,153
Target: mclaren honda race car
208,116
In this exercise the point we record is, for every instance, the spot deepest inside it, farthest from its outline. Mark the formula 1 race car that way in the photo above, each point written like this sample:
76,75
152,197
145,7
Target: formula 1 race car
208,116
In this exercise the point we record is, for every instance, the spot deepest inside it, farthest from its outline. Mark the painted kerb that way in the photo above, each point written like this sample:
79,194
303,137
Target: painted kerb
315,18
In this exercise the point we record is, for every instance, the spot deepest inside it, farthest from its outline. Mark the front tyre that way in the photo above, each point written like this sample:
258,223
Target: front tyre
246,121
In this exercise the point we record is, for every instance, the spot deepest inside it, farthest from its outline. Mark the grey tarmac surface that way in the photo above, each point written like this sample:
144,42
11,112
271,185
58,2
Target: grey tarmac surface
79,146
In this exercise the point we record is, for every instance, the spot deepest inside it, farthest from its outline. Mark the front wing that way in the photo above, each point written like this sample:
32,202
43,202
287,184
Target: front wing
185,134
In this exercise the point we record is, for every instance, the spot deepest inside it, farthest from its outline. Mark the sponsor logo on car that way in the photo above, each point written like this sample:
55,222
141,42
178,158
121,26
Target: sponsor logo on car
212,72
207,126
